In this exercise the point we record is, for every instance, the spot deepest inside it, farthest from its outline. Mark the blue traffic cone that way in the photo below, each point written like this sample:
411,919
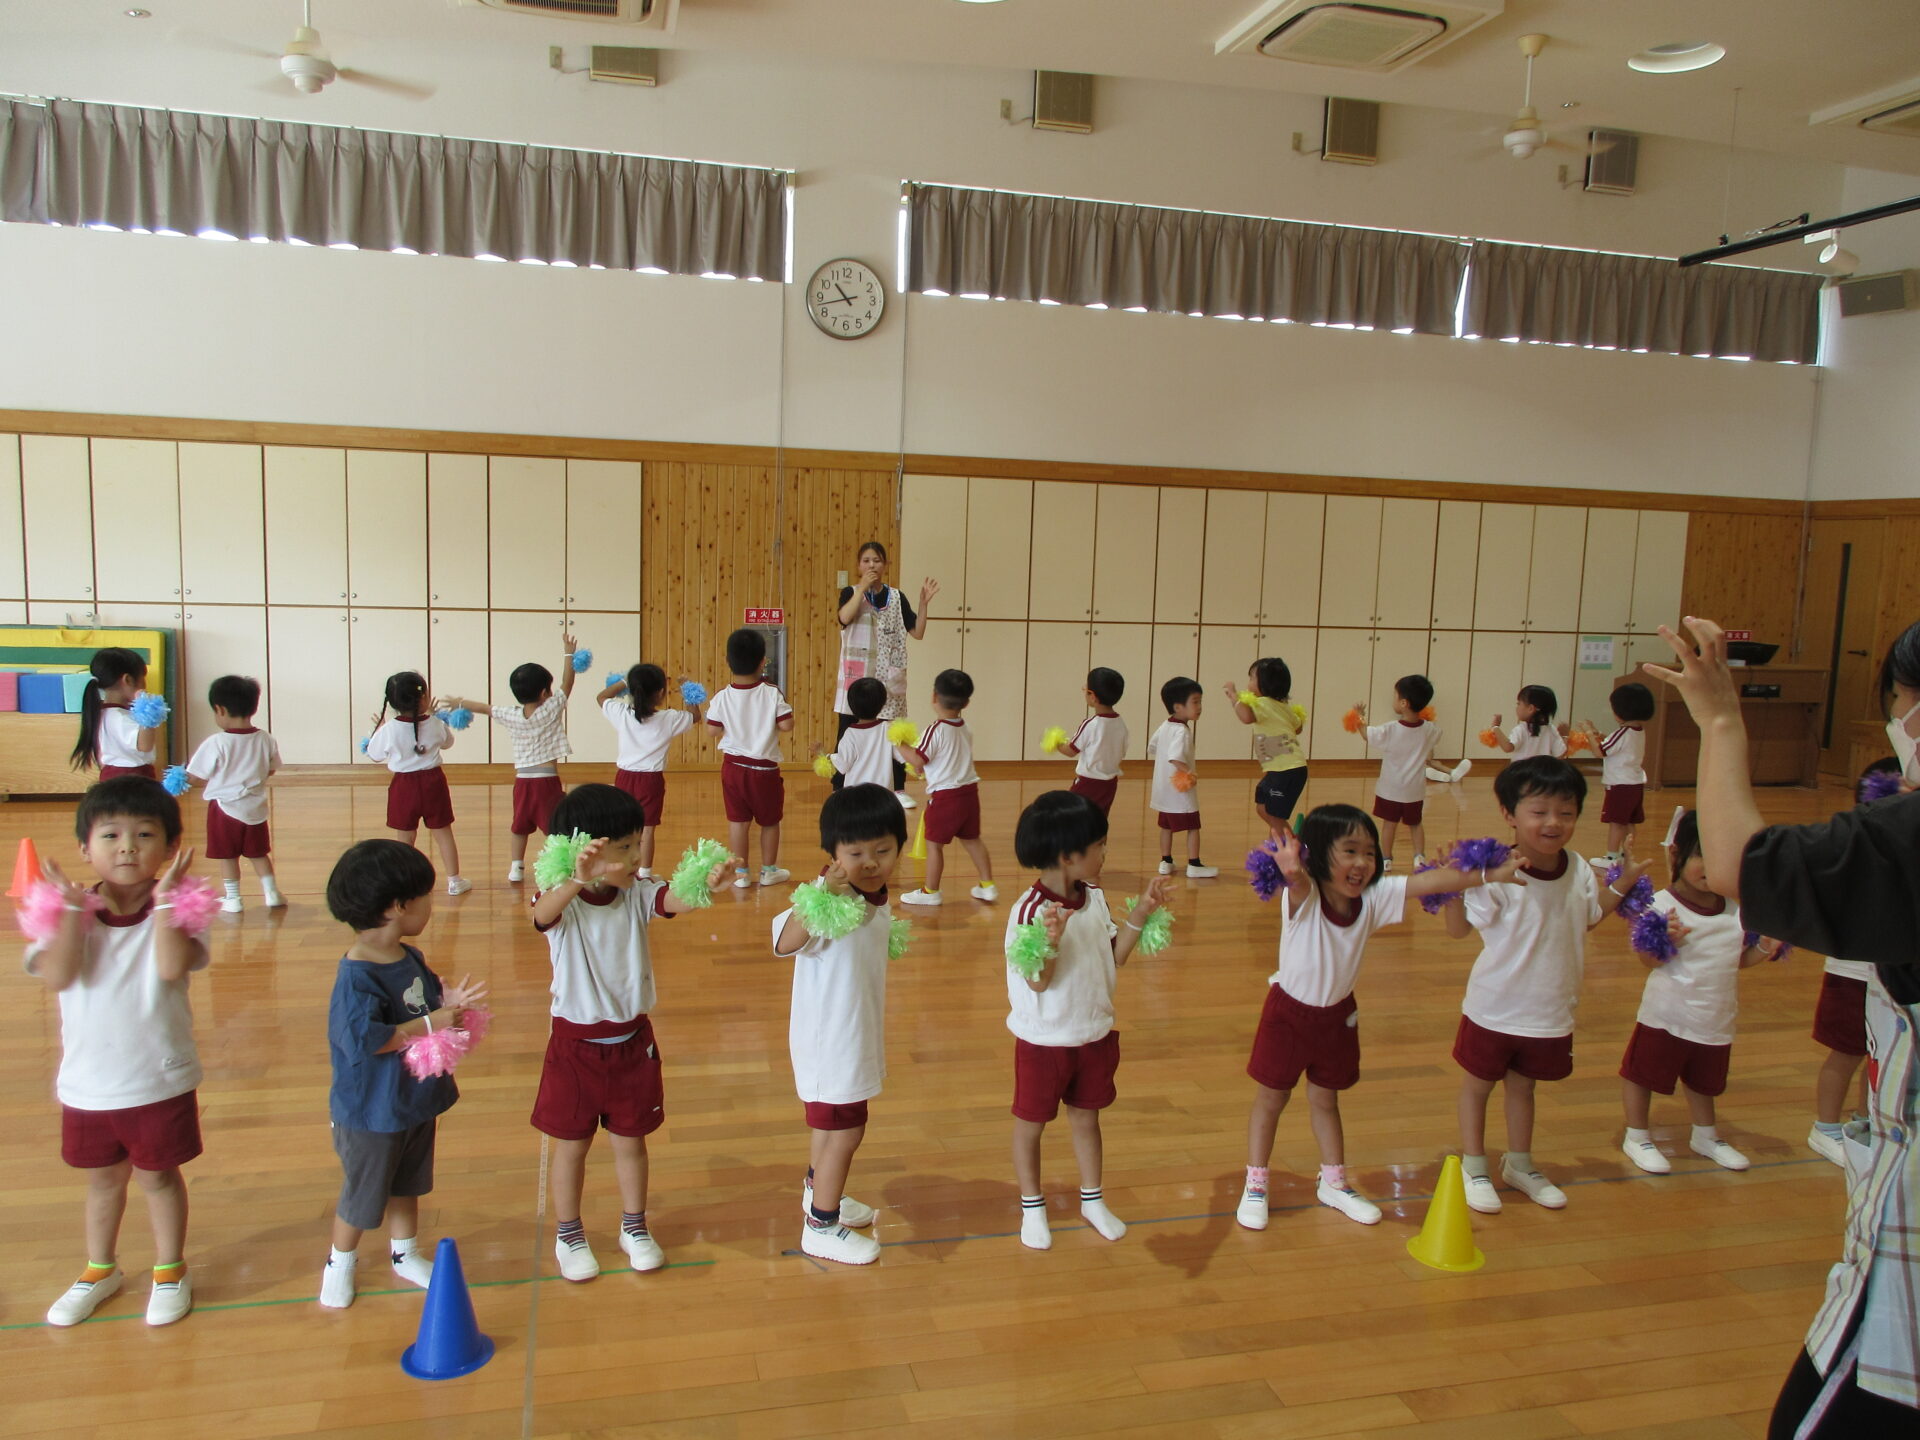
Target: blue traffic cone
449,1343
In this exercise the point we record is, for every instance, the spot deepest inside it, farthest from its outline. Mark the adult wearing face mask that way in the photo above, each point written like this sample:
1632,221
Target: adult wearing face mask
1900,684
875,624
1849,888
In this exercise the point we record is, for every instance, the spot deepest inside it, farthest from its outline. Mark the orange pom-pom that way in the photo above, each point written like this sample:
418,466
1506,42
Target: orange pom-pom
1490,738
1183,780
1426,714
1577,741
1353,721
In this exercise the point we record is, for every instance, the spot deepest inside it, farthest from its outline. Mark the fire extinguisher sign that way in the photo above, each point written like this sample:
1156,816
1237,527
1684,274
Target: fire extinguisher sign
762,615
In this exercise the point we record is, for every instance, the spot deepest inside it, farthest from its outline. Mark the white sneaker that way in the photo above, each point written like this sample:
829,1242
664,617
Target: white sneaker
921,897
643,1251
516,872
1252,1213
1535,1186
170,1300
988,892
230,905
1604,862
840,1244
336,1283
1647,1156
458,885
1035,1232
1419,859
414,1266
577,1262
774,875
907,802
1166,867
852,1212
1722,1154
1350,1203
1827,1147
1386,865
1201,872
271,894
1482,1195
742,881
83,1297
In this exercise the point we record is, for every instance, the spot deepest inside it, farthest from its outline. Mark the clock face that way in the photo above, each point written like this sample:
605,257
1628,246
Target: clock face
846,299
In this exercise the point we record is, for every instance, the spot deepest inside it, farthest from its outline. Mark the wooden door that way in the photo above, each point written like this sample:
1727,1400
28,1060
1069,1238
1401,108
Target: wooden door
457,531
56,493
1506,553
1056,683
527,533
306,657
603,536
306,516
995,655
223,525
387,529
1182,548
1061,587
1456,564
1226,652
457,663
136,520
13,539
1350,563
1842,608
1403,597
933,542
999,537
1342,679
1129,649
1126,537
1236,545
1606,575
1290,570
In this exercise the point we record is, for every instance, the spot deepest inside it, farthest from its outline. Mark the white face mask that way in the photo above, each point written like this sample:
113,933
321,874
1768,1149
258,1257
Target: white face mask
1904,745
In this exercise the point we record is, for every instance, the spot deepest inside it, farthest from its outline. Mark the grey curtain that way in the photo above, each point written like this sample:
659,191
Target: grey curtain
1086,252
78,164
1635,302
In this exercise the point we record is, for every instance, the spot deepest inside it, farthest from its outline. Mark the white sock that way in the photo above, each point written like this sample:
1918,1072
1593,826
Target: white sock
1520,1161
1475,1166
1638,1137
404,1248
1093,1209
1035,1233
270,887
230,888
1708,1135
348,1258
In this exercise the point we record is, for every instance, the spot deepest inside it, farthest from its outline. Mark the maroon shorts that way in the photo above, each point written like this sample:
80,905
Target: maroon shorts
1489,1054
1399,812
120,772
1101,792
753,791
419,797
231,839
533,800
1840,1017
1656,1059
649,787
822,1116
1622,805
585,1085
1179,820
155,1137
953,814
1081,1075
1320,1041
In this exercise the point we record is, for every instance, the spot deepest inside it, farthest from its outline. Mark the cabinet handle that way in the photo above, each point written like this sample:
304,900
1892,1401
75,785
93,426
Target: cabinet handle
176,589
436,594
86,589
189,590
343,594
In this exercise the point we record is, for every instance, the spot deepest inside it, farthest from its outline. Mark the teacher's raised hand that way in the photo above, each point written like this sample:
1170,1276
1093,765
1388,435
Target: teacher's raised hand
1703,680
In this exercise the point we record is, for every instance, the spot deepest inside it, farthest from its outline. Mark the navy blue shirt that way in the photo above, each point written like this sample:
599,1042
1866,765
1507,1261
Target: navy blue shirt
373,1091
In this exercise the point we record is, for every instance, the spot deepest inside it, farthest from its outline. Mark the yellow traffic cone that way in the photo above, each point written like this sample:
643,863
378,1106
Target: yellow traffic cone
1445,1242
918,849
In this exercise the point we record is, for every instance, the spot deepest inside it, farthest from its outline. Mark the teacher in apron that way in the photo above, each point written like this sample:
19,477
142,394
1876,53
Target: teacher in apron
875,624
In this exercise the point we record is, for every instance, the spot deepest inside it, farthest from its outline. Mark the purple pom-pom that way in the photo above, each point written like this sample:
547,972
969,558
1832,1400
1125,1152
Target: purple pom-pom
1878,785
1639,897
1434,904
1652,937
1482,854
1263,870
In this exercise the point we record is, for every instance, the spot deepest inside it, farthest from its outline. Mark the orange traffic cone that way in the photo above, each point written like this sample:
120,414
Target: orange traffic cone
26,870
918,849
1445,1242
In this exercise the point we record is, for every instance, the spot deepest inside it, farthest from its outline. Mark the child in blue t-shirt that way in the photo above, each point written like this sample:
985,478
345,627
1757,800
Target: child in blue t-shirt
383,1118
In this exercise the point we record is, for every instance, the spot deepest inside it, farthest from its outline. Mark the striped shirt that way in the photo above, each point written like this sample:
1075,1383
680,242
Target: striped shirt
538,739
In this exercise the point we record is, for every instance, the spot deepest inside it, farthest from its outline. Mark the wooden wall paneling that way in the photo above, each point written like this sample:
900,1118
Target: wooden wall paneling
221,640
457,523
1606,572
56,490
223,525
1180,556
1125,544
1290,572
1342,678
1061,587
1456,564
1226,652
1449,663
1129,649
1235,552
457,665
1741,570
603,535
1553,578
526,533
1403,598
1899,581
1350,562
386,529
1057,668
136,520
13,537
306,517
306,658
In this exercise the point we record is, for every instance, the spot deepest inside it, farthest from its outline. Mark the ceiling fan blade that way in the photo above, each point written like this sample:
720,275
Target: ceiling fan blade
392,85
201,40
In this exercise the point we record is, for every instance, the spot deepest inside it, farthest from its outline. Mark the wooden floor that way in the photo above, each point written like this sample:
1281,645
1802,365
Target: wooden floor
1649,1307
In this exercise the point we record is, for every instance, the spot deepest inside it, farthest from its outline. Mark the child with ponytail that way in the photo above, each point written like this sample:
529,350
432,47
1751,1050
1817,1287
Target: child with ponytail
645,729
111,735
409,745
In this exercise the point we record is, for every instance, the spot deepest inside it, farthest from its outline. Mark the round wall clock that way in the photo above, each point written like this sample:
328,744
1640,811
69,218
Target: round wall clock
846,299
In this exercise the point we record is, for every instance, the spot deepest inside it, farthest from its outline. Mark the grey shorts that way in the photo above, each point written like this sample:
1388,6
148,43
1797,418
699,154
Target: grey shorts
377,1165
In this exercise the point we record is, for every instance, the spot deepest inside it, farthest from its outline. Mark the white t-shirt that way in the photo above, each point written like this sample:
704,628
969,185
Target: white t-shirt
126,1035
1695,994
946,756
1621,754
1404,751
1319,955
1526,744
115,738
1102,743
1172,741
864,754
235,765
1533,940
539,739
644,743
395,743
750,716
602,967
837,1029
1849,969
1076,1008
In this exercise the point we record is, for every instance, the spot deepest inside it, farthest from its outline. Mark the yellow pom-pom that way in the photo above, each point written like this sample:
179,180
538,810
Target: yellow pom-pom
1247,697
903,732
824,767
1052,738
1353,721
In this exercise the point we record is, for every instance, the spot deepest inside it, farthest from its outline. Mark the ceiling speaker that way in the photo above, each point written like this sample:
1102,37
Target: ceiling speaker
1352,131
1879,294
1613,161
1063,101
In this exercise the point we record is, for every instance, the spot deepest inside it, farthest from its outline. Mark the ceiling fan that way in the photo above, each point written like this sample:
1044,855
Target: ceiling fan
307,66
1525,134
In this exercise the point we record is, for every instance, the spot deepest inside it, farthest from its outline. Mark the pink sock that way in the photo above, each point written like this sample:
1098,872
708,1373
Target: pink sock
1334,1176
1257,1179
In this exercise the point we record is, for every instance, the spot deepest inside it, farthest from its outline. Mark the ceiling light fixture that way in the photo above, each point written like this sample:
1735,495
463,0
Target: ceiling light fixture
139,14
1835,261
1672,59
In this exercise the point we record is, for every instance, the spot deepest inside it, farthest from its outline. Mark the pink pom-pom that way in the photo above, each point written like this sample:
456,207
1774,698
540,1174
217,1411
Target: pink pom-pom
43,909
476,1020
436,1053
195,903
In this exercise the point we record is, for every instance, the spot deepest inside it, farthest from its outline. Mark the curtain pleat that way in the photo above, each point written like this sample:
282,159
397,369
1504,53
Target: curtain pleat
23,162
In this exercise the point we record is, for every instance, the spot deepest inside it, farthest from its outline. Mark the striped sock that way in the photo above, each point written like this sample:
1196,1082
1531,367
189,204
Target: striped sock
1033,1202
1089,1197
96,1272
633,1223
571,1232
171,1273
823,1219
230,889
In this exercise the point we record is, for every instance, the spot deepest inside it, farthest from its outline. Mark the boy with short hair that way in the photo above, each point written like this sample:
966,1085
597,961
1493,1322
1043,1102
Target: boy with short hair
602,1067
836,1034
537,724
1065,1049
1404,747
1516,1023
1171,750
1100,744
384,1118
751,714
232,769
945,756
1623,771
864,755
129,1069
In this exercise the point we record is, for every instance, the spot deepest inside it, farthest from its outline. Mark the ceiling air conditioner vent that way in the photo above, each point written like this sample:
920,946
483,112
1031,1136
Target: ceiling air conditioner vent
1899,120
653,14
1892,111
1342,36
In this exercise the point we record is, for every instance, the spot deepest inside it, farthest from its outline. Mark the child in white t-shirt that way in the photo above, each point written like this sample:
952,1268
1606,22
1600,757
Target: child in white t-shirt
232,768
1335,898
1174,776
945,756
1100,744
1622,768
1065,1049
1534,732
751,715
1516,1022
864,755
409,745
602,1068
1404,747
836,1033
129,1069
110,736
644,730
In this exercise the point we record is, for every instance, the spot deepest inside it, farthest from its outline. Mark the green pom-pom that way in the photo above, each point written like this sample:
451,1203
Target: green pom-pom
899,937
1156,931
1052,738
1029,950
689,883
558,858
825,915
824,767
903,732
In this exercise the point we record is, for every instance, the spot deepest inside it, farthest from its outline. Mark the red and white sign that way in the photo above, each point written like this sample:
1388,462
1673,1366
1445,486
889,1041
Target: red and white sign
1738,634
762,615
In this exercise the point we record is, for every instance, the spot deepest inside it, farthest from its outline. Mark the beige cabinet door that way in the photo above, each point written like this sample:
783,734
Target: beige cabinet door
1395,653
1606,572
1456,556
314,721
223,525
933,542
218,640
382,643
1548,660
587,729
1180,554
136,520
1590,689
457,531
1230,591
1129,650
942,648
1350,563
386,529
1342,678
457,665
1290,567
1226,652
1449,660
1554,580
1300,648
999,532
1496,671
1176,651
1126,533
1056,683
56,500
1404,591
603,536
995,655
1659,567
527,533
1506,558
1061,587
306,504
13,539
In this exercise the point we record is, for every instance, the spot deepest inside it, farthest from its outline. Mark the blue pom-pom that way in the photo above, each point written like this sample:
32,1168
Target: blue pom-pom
582,661
364,741
614,677
175,781
149,711
692,692
458,718
1263,871
1878,785
1652,937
